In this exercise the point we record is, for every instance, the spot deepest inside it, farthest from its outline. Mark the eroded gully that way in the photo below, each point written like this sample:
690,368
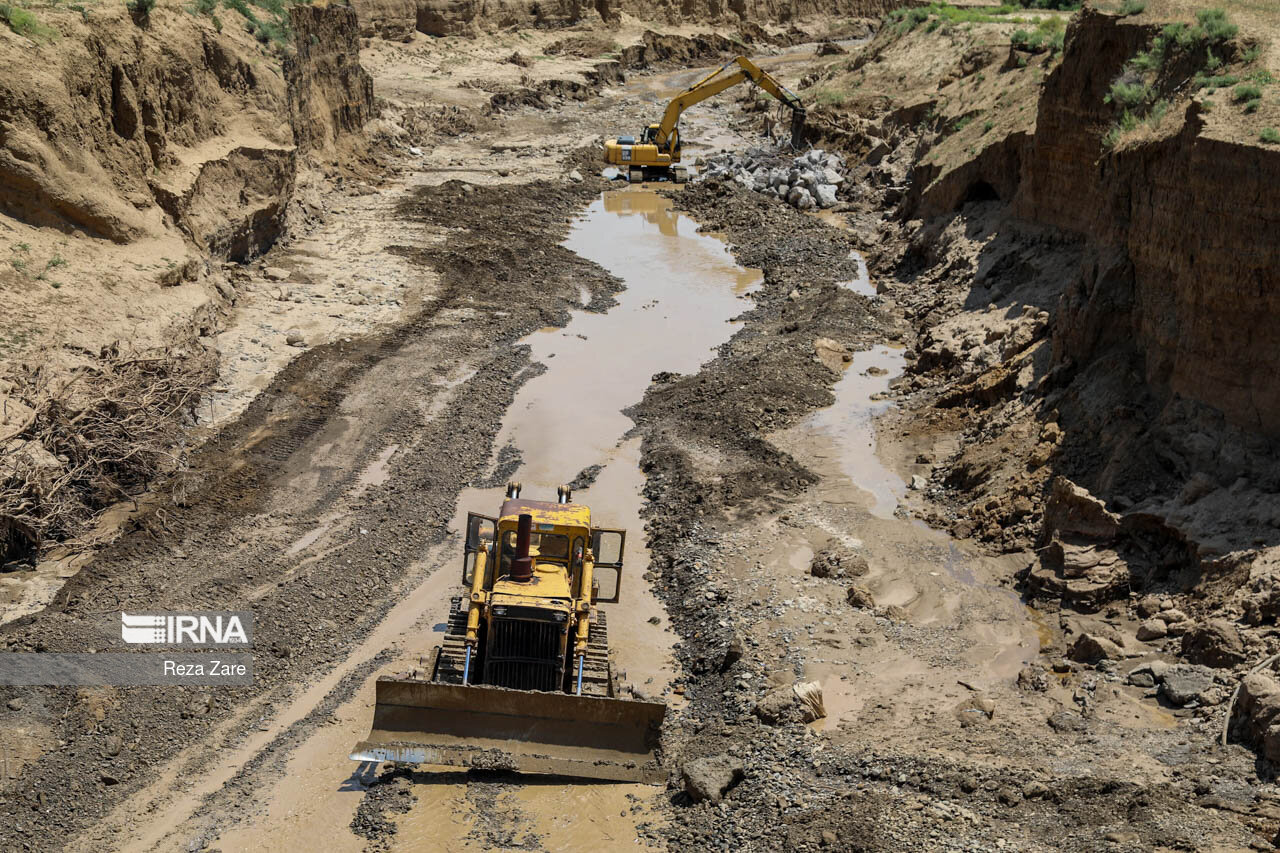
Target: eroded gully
682,292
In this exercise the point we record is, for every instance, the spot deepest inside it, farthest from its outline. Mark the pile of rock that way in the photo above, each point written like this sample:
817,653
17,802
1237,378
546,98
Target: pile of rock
811,180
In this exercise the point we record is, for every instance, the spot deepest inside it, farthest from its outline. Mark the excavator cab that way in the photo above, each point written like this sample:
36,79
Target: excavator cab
524,680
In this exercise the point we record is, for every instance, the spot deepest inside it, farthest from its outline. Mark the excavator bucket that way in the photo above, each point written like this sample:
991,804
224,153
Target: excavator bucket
557,734
797,128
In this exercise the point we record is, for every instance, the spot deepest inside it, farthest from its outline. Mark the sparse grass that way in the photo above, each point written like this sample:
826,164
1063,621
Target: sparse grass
1214,26
1049,35
1212,83
1128,95
269,29
1246,92
945,17
25,23
1203,50
1270,135
987,125
830,97
1132,7
1130,121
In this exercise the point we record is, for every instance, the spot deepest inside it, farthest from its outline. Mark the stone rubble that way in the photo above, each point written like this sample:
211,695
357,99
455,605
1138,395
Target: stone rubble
811,180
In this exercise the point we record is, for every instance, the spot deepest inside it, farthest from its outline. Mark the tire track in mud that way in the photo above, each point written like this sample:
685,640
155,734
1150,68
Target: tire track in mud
246,500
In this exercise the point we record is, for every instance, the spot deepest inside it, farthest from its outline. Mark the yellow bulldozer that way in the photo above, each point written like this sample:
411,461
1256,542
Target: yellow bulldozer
524,680
656,153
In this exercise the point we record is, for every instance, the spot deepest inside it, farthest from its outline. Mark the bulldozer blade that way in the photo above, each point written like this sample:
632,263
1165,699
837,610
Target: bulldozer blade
493,728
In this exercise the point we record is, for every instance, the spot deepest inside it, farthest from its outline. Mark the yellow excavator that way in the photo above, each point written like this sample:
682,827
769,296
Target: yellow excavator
657,152
523,680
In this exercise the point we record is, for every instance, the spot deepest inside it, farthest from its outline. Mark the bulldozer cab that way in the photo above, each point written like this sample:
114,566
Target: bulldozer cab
560,539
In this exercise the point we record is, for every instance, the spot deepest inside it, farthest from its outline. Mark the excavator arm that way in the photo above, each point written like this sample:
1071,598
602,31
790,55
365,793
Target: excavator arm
716,82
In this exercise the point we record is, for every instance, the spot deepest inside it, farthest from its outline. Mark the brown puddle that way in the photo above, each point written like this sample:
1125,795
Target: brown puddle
873,669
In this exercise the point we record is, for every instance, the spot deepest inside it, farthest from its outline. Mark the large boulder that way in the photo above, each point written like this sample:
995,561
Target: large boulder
1257,714
1214,643
712,777
826,194
1184,683
800,702
836,561
1091,648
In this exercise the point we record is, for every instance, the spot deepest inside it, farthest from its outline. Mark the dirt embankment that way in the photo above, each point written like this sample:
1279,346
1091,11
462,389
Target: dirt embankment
399,19
1156,378
138,156
1093,323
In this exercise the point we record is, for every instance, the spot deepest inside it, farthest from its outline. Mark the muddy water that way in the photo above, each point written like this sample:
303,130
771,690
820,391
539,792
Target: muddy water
848,427
956,617
682,291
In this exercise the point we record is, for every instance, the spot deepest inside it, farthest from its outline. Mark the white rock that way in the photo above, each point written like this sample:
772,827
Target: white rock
575,176
276,273
415,151
826,194
294,338
918,482
831,176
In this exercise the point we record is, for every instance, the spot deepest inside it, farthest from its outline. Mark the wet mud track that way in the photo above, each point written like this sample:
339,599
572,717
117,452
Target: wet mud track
270,479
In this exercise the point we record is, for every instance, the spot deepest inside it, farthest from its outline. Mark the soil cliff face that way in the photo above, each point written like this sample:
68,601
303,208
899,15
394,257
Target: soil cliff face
330,94
95,115
398,19
1185,230
1167,336
121,132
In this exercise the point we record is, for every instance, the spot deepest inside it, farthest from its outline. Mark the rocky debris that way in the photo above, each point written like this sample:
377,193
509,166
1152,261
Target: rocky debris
391,793
812,180
1182,684
800,702
860,596
837,561
1078,564
712,777
1260,599
1214,643
829,48
1091,648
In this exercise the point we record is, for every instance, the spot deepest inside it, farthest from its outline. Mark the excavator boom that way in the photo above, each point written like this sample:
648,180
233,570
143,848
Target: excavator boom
717,81
658,148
